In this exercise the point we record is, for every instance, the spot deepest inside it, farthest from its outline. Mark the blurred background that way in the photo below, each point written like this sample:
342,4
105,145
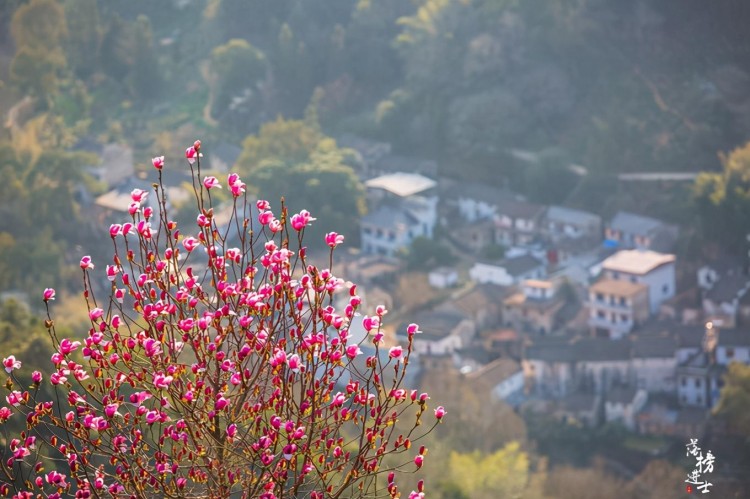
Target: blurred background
557,190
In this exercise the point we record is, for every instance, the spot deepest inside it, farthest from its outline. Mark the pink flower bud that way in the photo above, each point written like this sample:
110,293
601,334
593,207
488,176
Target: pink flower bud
158,162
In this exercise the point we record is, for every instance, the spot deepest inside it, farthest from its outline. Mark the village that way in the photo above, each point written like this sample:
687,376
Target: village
551,309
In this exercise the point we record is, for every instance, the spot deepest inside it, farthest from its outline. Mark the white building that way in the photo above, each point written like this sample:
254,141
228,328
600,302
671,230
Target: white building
403,207
655,270
623,403
508,271
443,277
616,306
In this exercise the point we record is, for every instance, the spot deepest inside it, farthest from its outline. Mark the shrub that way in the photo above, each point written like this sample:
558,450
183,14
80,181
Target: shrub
213,371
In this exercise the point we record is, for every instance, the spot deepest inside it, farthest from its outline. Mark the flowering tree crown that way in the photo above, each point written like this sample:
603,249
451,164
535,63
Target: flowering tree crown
220,363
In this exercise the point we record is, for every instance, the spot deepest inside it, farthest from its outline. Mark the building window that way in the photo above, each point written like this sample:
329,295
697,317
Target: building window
700,400
599,297
633,279
367,230
600,314
615,275
730,353
665,289
623,318
683,381
623,301
698,382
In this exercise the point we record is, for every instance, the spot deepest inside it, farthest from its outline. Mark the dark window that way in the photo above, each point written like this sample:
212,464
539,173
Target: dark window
665,289
599,297
600,314
683,381
623,318
730,353
623,301
633,279
698,383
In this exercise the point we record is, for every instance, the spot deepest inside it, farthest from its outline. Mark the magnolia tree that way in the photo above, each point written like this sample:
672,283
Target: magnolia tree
216,366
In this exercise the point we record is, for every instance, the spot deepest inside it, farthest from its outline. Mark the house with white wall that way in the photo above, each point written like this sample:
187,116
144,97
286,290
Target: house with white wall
631,231
616,306
508,271
567,223
655,270
403,207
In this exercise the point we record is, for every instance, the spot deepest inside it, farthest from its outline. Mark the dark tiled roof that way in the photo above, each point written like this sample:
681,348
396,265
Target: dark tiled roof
621,394
728,288
435,324
634,224
654,346
519,265
601,349
734,337
519,209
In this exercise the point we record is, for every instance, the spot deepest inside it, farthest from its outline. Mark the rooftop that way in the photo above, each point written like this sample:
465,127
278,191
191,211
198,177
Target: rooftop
618,287
519,209
729,287
495,372
402,184
621,394
389,217
519,265
634,224
570,215
637,262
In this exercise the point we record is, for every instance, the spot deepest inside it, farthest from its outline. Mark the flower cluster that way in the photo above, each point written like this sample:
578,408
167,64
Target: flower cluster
222,362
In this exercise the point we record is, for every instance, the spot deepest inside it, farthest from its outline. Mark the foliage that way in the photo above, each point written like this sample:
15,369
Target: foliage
424,254
286,141
722,200
215,372
503,473
238,68
735,398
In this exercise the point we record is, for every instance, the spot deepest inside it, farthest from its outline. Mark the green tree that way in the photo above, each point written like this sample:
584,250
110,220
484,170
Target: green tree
307,185
722,200
38,29
146,80
84,35
287,141
118,49
503,473
238,68
425,254
734,403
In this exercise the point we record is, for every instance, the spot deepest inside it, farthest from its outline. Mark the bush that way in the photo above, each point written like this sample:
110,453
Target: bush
212,370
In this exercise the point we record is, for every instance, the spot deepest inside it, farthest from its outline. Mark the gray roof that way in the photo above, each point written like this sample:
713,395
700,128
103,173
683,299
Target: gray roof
692,415
519,209
519,265
621,394
654,347
734,337
434,324
551,349
634,224
728,287
601,349
572,216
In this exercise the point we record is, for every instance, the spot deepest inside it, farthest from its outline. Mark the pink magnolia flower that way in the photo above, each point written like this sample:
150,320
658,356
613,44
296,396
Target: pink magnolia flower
211,182
138,195
86,263
333,239
190,243
396,352
96,313
11,363
5,414
158,162
161,381
192,153
15,398
440,412
36,377
301,220
352,351
67,346
419,460
49,294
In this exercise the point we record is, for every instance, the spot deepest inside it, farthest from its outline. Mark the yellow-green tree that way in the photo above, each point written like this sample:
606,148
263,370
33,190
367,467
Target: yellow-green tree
38,29
475,475
734,403
286,141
